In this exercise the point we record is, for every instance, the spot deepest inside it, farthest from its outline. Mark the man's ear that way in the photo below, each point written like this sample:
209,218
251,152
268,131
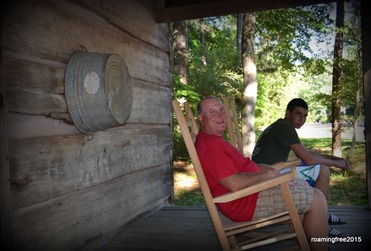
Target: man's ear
287,115
199,118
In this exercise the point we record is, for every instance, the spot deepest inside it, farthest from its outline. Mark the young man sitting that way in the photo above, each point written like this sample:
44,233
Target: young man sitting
276,141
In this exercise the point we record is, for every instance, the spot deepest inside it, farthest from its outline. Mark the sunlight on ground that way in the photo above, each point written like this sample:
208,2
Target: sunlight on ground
184,176
184,181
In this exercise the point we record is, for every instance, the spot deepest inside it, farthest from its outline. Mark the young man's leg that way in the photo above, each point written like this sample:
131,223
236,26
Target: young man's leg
323,180
315,221
318,176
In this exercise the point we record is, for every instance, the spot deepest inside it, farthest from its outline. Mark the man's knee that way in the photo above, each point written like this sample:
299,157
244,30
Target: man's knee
319,199
324,172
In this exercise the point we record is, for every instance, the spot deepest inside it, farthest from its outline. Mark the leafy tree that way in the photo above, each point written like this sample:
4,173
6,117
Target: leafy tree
284,61
221,75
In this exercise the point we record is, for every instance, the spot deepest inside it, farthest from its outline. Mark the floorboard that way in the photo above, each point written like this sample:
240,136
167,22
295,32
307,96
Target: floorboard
190,228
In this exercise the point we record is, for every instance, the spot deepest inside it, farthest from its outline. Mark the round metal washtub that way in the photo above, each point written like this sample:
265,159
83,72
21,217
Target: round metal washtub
98,91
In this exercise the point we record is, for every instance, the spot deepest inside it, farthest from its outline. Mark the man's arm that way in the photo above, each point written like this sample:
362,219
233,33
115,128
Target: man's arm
311,158
238,181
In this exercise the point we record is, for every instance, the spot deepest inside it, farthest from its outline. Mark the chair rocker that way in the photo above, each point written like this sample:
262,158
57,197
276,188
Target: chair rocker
229,232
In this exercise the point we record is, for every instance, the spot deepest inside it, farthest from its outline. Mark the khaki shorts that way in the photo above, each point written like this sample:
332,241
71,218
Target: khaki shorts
271,201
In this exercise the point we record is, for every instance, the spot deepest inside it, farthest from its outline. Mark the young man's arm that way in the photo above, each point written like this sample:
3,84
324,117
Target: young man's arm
311,158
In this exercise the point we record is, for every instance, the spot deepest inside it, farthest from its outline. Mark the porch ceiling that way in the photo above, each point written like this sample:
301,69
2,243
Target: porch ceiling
176,10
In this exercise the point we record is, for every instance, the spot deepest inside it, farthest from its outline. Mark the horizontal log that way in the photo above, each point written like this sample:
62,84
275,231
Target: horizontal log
150,105
29,126
23,74
89,214
27,26
145,29
45,168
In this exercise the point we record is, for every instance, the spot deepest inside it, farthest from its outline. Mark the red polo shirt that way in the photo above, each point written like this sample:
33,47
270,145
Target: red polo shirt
219,160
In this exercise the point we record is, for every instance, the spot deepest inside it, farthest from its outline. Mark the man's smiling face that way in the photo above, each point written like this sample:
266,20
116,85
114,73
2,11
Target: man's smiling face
213,118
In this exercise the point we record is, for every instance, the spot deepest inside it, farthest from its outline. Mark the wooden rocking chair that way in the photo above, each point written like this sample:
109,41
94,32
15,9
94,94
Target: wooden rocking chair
226,229
233,129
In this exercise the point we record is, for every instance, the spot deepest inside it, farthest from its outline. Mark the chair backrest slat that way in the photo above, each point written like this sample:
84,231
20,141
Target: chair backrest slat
234,133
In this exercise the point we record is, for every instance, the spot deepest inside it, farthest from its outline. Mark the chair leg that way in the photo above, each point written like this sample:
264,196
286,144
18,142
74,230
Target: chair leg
232,240
295,220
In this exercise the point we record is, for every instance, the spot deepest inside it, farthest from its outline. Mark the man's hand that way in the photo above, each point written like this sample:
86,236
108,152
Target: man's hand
272,172
339,162
342,163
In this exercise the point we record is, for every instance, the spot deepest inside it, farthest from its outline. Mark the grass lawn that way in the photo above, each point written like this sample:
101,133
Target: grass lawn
346,187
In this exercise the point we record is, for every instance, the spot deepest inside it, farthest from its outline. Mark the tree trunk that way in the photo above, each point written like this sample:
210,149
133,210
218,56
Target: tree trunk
359,102
250,83
336,81
239,32
202,41
355,122
180,35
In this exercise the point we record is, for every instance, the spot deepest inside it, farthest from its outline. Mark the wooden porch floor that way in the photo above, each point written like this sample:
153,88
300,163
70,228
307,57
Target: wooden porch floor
190,229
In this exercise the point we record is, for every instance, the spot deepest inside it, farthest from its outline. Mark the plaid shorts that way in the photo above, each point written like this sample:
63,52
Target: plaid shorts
271,201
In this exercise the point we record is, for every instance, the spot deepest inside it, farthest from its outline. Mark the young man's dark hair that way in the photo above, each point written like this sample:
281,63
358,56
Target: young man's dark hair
296,102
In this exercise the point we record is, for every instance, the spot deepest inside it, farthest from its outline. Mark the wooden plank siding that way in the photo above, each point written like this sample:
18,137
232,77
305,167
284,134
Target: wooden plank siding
190,228
69,190
69,163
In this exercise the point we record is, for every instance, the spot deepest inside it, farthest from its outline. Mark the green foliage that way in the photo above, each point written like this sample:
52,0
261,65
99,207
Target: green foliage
314,66
184,197
285,68
179,148
220,72
185,91
316,91
283,36
346,187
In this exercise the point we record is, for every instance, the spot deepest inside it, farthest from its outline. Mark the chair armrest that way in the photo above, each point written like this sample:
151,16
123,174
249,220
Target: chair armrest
292,163
284,178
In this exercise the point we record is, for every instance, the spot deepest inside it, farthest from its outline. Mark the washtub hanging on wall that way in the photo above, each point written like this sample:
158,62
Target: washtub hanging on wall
98,91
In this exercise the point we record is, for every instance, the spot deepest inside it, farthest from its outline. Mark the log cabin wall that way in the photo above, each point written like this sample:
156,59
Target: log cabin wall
70,190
